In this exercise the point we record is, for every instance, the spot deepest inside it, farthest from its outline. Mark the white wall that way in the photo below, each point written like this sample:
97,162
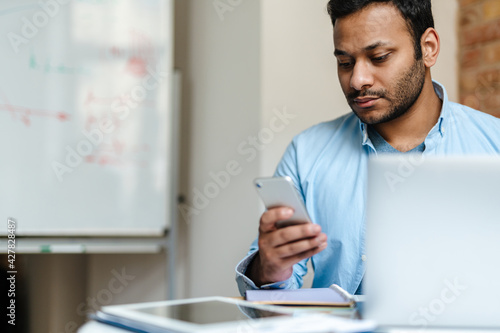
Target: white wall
446,69
298,70
264,56
220,62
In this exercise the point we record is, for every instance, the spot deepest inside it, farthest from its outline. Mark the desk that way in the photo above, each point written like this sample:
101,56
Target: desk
316,322
94,327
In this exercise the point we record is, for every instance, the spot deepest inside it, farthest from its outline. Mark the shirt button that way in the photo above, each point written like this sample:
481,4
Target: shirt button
363,257
282,285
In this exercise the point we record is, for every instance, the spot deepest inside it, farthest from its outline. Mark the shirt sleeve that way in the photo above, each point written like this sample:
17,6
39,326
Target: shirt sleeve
244,283
287,167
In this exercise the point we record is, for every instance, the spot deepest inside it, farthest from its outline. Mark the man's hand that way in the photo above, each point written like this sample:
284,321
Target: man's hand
280,249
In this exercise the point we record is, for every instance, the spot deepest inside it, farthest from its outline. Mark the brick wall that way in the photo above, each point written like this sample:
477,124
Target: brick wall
479,37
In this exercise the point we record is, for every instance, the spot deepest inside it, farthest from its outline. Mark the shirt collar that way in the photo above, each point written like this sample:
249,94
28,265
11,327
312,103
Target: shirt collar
364,132
445,109
440,126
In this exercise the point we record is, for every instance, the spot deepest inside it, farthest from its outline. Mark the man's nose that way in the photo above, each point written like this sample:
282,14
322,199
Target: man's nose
362,76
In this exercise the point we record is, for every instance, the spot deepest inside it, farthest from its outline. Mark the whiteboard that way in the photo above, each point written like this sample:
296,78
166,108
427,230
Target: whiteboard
85,115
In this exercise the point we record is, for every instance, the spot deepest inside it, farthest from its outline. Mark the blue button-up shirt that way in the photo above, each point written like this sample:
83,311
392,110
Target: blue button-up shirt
328,164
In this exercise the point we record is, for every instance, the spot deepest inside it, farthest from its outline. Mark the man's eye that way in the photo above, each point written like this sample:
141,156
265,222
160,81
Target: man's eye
345,64
381,58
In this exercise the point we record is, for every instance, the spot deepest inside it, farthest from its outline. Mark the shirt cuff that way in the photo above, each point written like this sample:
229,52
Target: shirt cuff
244,282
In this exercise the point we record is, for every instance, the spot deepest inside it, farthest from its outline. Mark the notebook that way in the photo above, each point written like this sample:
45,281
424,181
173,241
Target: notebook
331,296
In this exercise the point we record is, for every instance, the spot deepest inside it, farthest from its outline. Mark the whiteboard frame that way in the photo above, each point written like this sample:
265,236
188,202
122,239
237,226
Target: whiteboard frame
171,173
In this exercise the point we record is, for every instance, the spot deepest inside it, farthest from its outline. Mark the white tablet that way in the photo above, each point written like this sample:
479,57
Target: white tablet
210,314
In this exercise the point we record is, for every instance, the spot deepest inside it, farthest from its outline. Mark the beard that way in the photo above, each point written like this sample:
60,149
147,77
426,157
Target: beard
404,94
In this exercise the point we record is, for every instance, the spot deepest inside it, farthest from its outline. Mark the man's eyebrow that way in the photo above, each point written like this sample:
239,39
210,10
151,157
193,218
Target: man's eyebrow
338,52
376,45
371,47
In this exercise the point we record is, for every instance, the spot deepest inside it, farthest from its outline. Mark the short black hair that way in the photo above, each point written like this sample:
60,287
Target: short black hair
416,13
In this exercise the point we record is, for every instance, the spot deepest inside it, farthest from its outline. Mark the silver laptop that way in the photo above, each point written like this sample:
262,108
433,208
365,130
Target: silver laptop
433,241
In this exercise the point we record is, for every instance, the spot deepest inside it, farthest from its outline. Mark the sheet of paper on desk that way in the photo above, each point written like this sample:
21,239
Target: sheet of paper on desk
320,324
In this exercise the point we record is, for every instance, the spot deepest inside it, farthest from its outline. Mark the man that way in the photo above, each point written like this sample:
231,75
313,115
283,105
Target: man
384,51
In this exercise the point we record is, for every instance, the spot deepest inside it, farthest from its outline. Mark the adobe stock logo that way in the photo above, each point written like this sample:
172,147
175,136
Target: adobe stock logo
437,306
39,20
116,285
249,149
221,7
406,168
121,108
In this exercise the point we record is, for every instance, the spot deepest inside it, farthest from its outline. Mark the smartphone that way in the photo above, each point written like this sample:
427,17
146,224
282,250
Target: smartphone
281,192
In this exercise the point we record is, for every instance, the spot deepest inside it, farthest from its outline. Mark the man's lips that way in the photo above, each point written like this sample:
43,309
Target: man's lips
366,102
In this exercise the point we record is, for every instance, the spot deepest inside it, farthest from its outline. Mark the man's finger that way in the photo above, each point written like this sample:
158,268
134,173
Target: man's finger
301,246
290,261
269,218
294,233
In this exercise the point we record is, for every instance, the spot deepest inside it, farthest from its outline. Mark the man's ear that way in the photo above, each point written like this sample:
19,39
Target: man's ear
430,44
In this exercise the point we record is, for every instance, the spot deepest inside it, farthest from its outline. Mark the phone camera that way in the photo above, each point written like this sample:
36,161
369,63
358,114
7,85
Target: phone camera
259,185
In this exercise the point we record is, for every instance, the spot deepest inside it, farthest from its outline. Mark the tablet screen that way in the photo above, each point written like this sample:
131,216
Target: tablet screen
208,312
